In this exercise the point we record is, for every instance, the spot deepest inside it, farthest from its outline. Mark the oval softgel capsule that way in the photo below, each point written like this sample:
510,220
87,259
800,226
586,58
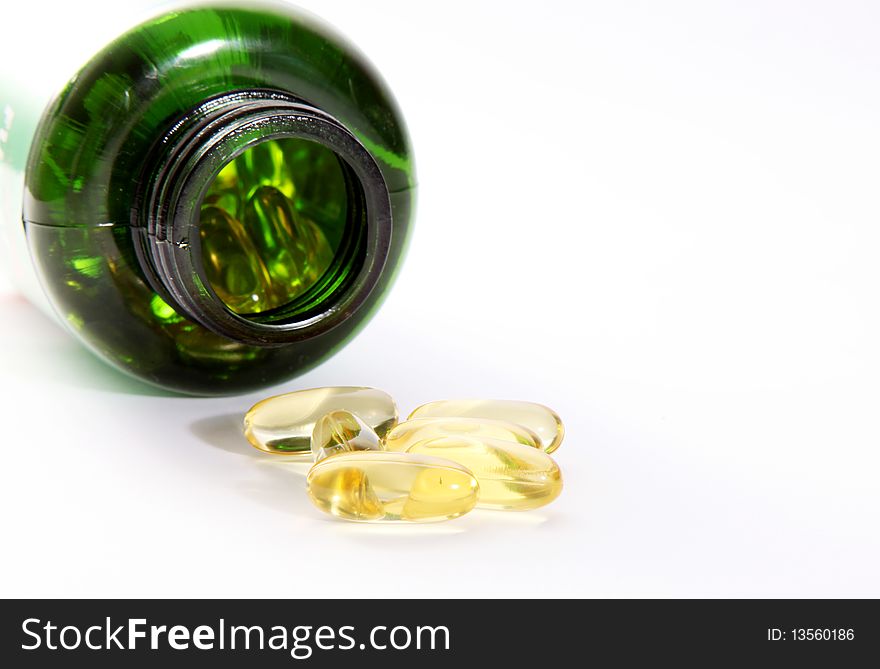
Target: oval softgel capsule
541,420
410,432
343,432
512,476
381,486
283,425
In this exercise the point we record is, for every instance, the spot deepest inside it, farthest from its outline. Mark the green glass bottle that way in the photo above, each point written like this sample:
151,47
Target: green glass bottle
218,200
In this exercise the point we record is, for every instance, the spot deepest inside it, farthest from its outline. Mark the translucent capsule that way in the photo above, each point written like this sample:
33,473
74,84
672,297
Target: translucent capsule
512,476
342,432
294,249
383,486
539,419
266,164
415,430
231,261
284,424
227,199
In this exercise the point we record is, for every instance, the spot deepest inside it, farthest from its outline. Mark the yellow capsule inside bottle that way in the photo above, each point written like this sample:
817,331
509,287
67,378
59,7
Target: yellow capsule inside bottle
383,486
283,425
512,476
343,432
410,432
541,420
232,264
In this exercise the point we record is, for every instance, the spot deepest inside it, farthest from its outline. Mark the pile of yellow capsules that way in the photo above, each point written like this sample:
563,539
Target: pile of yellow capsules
445,459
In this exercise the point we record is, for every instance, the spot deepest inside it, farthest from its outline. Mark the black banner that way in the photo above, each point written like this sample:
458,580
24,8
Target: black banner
47,633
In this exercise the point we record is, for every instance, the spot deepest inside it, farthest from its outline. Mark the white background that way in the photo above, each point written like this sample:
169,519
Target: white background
659,218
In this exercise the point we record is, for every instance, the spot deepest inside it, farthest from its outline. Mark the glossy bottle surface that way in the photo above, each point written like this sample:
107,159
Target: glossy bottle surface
412,431
283,425
541,420
342,432
512,476
389,487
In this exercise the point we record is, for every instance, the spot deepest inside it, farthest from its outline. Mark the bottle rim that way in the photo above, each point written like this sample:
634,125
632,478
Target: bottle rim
176,176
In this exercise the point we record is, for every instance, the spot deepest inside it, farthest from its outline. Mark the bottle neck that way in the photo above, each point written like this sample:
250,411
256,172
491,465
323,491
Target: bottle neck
177,175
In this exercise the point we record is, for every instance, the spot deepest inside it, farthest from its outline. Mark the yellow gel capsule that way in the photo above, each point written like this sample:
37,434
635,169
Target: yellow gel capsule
232,263
343,432
294,249
383,486
283,424
415,430
512,476
541,420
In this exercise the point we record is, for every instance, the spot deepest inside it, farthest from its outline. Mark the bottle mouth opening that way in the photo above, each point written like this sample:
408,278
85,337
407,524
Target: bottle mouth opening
280,227
266,220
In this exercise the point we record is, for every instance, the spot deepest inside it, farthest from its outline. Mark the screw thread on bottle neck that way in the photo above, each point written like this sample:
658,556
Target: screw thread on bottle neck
177,175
